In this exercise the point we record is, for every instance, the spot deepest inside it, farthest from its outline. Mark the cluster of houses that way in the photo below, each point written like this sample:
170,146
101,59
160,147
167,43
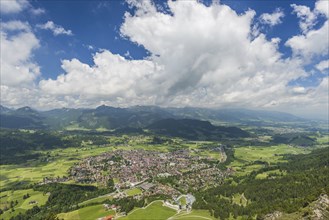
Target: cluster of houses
130,167
149,170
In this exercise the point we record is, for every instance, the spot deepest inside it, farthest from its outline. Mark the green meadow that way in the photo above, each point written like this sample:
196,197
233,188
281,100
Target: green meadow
239,199
245,157
193,215
133,192
60,161
99,199
22,205
323,139
87,213
154,211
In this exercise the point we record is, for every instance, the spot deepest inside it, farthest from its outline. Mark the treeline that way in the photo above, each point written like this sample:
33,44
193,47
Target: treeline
62,198
297,139
307,177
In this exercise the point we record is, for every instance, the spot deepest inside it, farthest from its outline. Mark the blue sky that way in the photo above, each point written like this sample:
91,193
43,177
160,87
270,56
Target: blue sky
130,31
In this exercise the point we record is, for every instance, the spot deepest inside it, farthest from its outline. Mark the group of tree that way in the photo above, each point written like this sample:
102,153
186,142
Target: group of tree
307,178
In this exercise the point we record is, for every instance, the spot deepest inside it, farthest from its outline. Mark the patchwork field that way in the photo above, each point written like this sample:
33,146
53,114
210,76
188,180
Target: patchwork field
22,205
89,212
34,171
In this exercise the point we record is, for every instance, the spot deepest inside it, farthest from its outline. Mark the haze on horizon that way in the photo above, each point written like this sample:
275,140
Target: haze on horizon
181,53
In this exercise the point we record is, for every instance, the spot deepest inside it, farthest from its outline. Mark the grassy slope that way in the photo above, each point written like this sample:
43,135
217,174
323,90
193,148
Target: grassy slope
86,213
23,205
154,211
96,200
193,215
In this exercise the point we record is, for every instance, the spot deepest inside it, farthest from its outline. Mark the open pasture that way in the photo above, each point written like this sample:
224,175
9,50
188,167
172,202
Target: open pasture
245,157
87,213
60,160
133,192
6,197
154,211
193,215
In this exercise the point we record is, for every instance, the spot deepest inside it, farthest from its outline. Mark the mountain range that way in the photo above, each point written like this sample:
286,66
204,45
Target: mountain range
137,117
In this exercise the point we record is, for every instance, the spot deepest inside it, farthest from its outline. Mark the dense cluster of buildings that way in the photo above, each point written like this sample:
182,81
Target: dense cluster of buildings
130,168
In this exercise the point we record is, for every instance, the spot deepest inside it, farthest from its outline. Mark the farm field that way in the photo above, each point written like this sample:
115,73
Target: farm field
133,192
245,157
99,199
154,211
89,212
34,171
323,140
193,215
22,204
268,173
57,161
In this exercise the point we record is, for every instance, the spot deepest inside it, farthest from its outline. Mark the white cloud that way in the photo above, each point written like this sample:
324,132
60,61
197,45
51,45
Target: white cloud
56,29
312,42
17,67
16,6
15,26
37,11
112,77
13,6
198,58
306,16
192,62
272,19
323,65
322,7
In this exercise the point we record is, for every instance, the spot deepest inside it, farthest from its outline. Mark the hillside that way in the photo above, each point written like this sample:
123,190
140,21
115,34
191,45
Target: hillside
195,129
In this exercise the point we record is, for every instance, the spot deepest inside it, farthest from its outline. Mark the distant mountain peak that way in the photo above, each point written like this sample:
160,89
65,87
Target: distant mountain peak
26,109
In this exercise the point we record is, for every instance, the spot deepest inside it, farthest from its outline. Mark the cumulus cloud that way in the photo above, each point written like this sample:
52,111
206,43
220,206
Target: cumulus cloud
111,76
323,65
56,29
17,6
272,19
37,11
322,7
13,6
198,57
17,67
312,42
306,16
191,62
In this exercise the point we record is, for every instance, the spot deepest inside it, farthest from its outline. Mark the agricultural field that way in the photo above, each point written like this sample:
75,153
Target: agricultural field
22,205
99,199
90,212
60,160
193,215
266,174
133,192
154,210
323,139
245,157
